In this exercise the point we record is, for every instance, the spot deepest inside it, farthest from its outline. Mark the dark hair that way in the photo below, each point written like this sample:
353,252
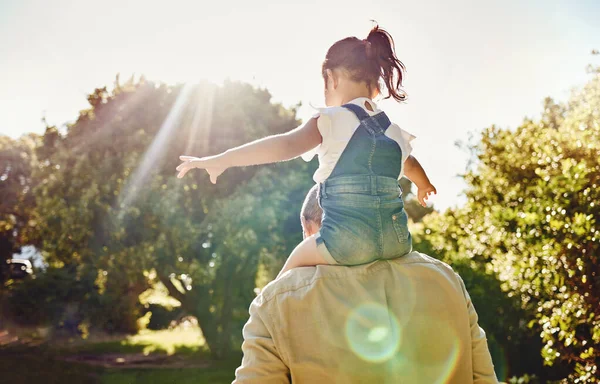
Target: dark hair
368,61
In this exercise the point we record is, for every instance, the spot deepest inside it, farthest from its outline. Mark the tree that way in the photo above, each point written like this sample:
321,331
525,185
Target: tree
17,160
109,201
215,272
532,219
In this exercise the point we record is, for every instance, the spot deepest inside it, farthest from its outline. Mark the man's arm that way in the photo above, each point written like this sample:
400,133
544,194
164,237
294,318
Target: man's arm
262,363
483,368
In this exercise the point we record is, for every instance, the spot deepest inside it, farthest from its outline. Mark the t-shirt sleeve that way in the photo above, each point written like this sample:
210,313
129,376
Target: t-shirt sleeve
403,139
324,126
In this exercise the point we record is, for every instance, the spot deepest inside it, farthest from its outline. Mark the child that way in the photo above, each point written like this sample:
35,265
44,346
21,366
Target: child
361,158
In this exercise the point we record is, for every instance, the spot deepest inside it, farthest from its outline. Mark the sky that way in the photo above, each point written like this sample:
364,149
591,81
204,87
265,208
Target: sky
470,63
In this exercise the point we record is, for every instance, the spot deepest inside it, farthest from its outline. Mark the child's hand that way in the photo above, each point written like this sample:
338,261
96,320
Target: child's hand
213,165
423,194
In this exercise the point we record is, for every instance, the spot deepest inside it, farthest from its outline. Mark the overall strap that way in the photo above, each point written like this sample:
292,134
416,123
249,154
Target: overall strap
358,111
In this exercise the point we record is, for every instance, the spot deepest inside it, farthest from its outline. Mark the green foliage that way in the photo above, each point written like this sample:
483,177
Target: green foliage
69,299
525,379
532,220
414,210
17,159
107,198
115,310
514,347
56,297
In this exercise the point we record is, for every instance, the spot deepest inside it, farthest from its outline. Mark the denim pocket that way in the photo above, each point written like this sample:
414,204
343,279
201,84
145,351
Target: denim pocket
400,222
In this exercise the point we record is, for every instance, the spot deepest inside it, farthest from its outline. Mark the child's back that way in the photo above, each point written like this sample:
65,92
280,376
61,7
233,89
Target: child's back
361,159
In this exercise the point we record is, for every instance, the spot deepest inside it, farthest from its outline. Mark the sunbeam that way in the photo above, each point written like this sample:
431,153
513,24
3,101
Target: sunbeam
153,154
134,100
203,114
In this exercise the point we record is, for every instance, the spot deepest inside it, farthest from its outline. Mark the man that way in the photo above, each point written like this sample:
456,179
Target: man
408,320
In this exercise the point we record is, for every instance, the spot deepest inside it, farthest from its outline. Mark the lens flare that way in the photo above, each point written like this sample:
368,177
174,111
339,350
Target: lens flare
429,351
373,332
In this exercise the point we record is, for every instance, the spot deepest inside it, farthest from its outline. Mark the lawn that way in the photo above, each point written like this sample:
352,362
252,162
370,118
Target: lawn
176,341
222,372
31,367
176,356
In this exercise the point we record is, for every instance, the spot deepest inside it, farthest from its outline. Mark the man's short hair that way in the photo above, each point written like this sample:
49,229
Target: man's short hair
311,211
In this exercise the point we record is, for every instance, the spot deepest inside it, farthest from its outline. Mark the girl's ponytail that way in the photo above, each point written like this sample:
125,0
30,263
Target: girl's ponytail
380,48
368,61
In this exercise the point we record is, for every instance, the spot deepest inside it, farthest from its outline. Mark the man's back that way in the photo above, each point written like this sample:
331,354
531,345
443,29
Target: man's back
407,320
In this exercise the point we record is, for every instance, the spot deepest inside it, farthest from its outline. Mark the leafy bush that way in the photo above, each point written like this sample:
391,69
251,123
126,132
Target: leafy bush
533,220
54,298
65,298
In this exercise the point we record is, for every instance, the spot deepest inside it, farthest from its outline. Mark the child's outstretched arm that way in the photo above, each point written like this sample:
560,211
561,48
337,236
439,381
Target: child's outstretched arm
285,146
415,172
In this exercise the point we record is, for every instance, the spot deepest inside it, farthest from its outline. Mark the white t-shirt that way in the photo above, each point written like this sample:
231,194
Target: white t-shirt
337,125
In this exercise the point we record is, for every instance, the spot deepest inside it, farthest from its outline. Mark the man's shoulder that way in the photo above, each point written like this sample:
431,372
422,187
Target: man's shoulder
418,257
305,277
293,280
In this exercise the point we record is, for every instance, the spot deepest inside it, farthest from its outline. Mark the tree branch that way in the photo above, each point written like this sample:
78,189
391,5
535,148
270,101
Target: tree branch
173,291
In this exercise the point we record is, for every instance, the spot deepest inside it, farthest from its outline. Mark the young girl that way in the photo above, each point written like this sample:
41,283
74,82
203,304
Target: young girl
361,158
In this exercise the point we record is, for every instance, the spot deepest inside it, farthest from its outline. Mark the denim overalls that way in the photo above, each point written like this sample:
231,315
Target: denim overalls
363,212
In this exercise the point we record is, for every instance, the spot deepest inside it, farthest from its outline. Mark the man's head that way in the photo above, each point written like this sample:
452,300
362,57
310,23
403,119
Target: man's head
311,213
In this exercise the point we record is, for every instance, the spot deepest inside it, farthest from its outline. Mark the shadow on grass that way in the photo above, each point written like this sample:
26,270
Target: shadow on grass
45,365
38,365
219,372
173,356
121,347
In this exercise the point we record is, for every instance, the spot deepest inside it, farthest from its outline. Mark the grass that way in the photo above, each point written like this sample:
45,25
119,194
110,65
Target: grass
43,364
222,372
177,341
32,368
190,340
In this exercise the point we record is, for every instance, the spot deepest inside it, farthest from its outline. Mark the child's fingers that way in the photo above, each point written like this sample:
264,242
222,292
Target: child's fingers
183,169
187,164
186,158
